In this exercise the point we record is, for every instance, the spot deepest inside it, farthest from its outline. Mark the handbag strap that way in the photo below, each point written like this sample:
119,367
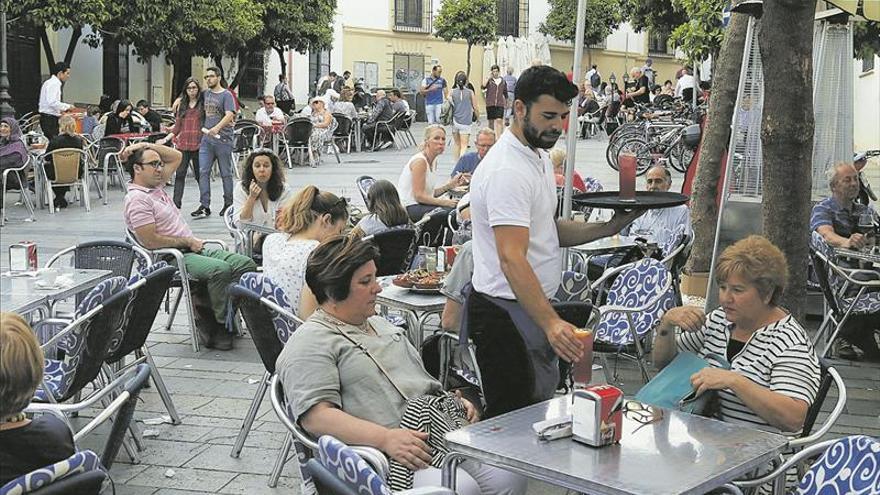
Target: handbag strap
365,351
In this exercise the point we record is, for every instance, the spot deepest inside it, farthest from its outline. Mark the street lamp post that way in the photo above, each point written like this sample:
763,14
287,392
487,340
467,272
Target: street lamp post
6,108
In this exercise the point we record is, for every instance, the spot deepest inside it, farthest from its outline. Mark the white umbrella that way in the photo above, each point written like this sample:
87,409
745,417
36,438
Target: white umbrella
502,55
488,58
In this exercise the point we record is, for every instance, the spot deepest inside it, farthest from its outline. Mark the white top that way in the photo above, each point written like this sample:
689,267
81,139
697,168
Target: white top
658,224
404,183
284,261
263,117
260,216
779,357
50,97
685,81
515,185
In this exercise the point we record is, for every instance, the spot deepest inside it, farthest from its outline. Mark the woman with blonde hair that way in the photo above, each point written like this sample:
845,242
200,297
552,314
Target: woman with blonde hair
417,183
774,372
305,221
67,138
25,444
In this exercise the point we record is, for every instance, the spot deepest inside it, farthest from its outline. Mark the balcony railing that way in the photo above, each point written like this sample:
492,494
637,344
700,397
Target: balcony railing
413,16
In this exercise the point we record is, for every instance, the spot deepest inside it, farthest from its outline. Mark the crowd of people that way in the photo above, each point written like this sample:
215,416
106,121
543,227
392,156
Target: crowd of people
350,373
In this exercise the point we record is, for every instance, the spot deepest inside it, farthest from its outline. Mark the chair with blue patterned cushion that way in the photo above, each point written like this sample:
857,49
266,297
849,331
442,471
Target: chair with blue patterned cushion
80,473
849,465
271,321
847,291
364,183
639,296
575,286
356,474
147,290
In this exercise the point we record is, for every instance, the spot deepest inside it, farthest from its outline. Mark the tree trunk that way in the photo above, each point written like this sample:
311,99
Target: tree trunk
47,48
182,61
469,61
716,137
243,63
786,40
74,40
280,51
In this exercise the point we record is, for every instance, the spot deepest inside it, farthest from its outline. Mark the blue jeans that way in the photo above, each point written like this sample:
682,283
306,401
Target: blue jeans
433,113
208,151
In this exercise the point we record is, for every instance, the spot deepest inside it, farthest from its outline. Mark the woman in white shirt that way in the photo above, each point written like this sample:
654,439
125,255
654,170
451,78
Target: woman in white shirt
261,192
417,182
385,208
305,221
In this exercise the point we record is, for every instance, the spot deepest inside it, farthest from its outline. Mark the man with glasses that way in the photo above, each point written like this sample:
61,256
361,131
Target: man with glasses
217,143
269,113
469,161
155,220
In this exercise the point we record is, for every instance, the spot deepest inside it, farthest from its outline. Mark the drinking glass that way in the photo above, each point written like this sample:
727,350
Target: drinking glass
627,168
582,370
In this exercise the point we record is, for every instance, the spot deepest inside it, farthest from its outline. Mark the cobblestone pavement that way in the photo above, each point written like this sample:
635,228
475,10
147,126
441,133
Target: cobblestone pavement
213,390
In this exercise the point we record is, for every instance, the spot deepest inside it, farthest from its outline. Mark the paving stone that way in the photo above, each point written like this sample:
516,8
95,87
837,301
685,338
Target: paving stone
229,408
256,438
202,365
182,432
167,452
204,374
253,460
167,491
213,422
122,472
254,484
237,390
133,489
208,480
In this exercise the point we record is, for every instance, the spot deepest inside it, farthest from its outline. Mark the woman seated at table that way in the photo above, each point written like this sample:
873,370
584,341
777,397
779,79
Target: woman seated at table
121,121
345,106
305,221
261,193
774,373
67,138
386,210
417,183
335,388
25,444
322,122
13,152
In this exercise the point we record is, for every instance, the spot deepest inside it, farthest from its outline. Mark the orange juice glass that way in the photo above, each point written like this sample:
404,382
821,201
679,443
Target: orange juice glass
582,370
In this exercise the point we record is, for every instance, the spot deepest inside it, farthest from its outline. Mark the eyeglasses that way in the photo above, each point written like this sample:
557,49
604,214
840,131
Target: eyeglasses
196,88
156,164
642,413
209,76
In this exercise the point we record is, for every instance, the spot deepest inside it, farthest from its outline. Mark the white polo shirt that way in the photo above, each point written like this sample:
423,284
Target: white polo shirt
514,185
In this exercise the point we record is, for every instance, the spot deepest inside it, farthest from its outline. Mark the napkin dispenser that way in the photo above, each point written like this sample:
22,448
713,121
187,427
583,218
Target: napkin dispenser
597,415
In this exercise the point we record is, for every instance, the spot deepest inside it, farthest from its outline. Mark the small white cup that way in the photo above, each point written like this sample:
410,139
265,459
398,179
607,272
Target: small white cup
48,276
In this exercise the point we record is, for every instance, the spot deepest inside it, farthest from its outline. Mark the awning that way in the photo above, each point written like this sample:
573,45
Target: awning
870,8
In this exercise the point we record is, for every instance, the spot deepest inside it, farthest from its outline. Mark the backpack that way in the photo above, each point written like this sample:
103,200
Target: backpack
595,80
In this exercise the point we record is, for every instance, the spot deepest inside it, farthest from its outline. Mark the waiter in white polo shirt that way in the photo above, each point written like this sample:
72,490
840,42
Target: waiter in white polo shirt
51,107
517,254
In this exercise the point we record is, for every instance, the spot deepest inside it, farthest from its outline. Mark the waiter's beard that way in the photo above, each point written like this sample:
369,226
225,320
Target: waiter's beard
543,140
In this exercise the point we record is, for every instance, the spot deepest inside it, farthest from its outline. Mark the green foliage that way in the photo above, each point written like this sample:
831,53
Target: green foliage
603,16
702,34
474,21
58,14
658,16
866,39
301,25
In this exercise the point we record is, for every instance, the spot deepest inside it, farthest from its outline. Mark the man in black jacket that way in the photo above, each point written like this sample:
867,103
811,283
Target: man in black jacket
152,118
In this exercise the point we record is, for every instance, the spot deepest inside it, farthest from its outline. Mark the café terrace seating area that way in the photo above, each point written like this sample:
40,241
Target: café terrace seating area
166,415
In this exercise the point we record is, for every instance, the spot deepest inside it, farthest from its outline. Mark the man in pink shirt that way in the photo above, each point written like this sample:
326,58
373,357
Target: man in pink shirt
155,220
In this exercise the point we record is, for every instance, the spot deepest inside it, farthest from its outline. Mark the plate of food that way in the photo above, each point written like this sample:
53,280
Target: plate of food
420,281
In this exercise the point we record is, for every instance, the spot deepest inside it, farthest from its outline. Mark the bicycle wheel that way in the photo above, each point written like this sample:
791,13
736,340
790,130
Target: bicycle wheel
642,152
623,133
680,156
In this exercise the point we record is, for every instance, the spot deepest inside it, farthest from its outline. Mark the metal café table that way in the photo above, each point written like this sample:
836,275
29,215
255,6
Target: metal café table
871,257
21,294
415,307
681,453
248,230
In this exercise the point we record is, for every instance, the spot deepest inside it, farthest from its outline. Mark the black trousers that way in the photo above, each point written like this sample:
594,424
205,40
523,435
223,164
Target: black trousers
49,125
505,367
191,159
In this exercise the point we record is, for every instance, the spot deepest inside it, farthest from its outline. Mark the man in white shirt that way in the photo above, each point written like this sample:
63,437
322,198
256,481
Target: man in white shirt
517,255
658,225
684,82
51,107
269,113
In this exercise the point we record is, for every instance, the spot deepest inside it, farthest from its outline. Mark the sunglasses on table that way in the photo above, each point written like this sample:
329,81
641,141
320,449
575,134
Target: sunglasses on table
642,413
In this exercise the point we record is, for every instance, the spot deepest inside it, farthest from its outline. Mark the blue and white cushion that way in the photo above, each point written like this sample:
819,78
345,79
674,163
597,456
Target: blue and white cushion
143,272
79,462
648,280
849,466
266,288
575,286
350,467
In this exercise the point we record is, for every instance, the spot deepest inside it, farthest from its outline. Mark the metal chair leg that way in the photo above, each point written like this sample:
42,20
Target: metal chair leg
280,461
173,312
161,388
250,416
193,330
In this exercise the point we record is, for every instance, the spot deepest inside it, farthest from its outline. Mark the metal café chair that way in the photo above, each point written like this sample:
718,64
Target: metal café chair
364,183
845,295
271,321
22,174
81,473
297,137
390,128
107,162
344,130
247,136
238,239
67,163
396,249
181,281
